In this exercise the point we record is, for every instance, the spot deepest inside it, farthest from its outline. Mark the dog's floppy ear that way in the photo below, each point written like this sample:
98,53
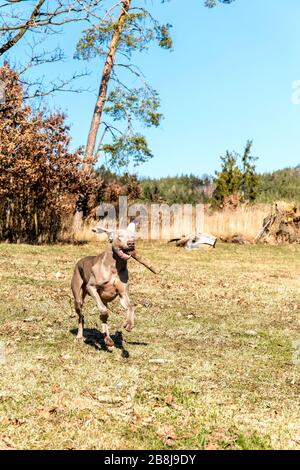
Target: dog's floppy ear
110,233
132,226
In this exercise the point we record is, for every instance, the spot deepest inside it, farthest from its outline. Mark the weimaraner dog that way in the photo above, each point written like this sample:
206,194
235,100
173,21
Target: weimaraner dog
104,277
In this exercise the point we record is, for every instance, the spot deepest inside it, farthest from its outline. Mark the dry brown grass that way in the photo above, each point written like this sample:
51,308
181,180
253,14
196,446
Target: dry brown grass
210,360
245,221
84,234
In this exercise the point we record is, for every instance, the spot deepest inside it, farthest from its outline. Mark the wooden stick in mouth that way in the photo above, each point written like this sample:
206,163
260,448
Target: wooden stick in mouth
145,263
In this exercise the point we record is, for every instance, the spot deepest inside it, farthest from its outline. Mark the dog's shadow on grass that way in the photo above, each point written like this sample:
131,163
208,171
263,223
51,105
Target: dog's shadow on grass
95,339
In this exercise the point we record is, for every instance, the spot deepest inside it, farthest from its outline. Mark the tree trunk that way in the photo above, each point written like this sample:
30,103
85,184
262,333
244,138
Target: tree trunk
96,119
107,70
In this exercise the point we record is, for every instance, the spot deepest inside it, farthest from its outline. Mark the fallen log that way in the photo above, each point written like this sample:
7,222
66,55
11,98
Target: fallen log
191,242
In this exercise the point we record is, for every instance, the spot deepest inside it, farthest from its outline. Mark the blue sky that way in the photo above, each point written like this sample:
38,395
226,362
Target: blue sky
228,79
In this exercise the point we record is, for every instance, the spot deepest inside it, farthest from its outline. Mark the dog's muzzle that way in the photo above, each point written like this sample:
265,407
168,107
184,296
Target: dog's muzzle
123,254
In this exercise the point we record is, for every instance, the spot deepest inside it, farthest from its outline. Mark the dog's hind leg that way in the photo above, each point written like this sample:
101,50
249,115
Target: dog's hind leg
78,308
79,292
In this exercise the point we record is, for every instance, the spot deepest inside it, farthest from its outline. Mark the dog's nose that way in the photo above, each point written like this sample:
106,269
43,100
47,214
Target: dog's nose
131,244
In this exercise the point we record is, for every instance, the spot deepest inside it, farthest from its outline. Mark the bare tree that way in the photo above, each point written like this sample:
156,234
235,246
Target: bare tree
17,18
32,22
14,33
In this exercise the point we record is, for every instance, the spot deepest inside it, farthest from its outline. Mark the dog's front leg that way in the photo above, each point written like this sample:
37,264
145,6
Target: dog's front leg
108,341
127,305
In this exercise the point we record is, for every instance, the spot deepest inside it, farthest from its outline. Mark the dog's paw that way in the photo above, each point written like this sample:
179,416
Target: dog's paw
128,326
109,342
79,340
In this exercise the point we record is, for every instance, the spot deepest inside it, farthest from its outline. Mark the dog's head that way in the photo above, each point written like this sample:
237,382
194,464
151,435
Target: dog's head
123,240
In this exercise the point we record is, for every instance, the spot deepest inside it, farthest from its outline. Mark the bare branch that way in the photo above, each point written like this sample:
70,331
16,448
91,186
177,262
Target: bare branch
40,19
66,85
23,29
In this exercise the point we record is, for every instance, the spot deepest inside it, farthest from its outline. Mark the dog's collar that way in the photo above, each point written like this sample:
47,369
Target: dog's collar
121,254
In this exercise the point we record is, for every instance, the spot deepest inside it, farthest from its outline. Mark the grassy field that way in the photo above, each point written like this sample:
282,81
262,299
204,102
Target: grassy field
209,365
